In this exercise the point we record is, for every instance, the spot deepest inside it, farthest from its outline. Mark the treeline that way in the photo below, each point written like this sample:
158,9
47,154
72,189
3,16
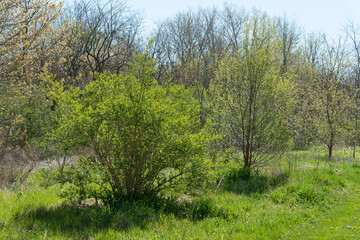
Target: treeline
212,84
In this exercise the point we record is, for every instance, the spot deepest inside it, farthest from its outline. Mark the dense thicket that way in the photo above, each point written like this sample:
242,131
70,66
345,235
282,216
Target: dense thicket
140,137
256,83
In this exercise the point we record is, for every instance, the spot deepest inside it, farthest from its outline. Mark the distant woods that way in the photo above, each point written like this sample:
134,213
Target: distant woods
191,48
263,84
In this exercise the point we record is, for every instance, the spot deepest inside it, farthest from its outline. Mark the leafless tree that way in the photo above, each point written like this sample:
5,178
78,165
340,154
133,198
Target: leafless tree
232,24
289,38
187,46
352,32
107,36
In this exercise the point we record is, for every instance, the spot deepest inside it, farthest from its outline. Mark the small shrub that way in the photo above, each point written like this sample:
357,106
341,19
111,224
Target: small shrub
234,175
355,165
202,209
309,195
16,166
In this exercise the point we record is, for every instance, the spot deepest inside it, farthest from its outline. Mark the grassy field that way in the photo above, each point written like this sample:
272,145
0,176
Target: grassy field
303,197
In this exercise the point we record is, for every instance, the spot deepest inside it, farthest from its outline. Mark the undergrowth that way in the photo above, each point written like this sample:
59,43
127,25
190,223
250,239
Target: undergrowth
310,200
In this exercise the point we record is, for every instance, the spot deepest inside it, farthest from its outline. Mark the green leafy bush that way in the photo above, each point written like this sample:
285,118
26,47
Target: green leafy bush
355,165
235,174
309,195
140,137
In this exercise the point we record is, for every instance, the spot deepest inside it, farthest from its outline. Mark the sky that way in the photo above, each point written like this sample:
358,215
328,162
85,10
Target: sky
326,16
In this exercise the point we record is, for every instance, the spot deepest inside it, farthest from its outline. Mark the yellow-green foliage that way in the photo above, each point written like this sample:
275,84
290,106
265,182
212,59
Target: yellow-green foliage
252,99
324,102
143,137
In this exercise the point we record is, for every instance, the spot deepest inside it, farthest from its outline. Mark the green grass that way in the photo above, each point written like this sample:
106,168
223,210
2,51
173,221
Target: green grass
309,198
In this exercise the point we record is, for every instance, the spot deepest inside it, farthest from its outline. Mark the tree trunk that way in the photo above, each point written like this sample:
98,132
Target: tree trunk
248,147
331,145
355,137
247,162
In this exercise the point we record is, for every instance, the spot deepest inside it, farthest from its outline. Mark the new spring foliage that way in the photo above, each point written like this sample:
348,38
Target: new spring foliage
143,137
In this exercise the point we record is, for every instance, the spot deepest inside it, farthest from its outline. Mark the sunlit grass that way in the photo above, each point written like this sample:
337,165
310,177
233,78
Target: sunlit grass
316,199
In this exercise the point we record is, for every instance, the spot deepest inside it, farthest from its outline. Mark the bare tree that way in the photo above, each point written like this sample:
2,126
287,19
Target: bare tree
187,46
289,38
232,24
108,35
353,34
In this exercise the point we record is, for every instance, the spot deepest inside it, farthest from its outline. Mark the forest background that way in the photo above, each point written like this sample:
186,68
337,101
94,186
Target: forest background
124,116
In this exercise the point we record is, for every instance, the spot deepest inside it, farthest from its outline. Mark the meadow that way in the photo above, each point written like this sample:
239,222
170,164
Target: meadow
183,131
304,196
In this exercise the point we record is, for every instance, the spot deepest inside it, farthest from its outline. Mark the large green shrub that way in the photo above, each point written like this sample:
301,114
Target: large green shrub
139,136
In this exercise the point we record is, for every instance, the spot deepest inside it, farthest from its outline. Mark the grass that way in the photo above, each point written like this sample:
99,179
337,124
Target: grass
302,197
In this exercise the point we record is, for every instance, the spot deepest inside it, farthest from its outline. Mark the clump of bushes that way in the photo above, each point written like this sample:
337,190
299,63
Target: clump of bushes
140,137
246,180
236,174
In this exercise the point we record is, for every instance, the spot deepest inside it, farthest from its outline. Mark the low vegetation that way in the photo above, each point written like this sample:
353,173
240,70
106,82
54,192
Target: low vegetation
228,124
309,200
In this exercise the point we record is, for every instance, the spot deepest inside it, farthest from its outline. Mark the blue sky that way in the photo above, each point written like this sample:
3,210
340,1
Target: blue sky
312,15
